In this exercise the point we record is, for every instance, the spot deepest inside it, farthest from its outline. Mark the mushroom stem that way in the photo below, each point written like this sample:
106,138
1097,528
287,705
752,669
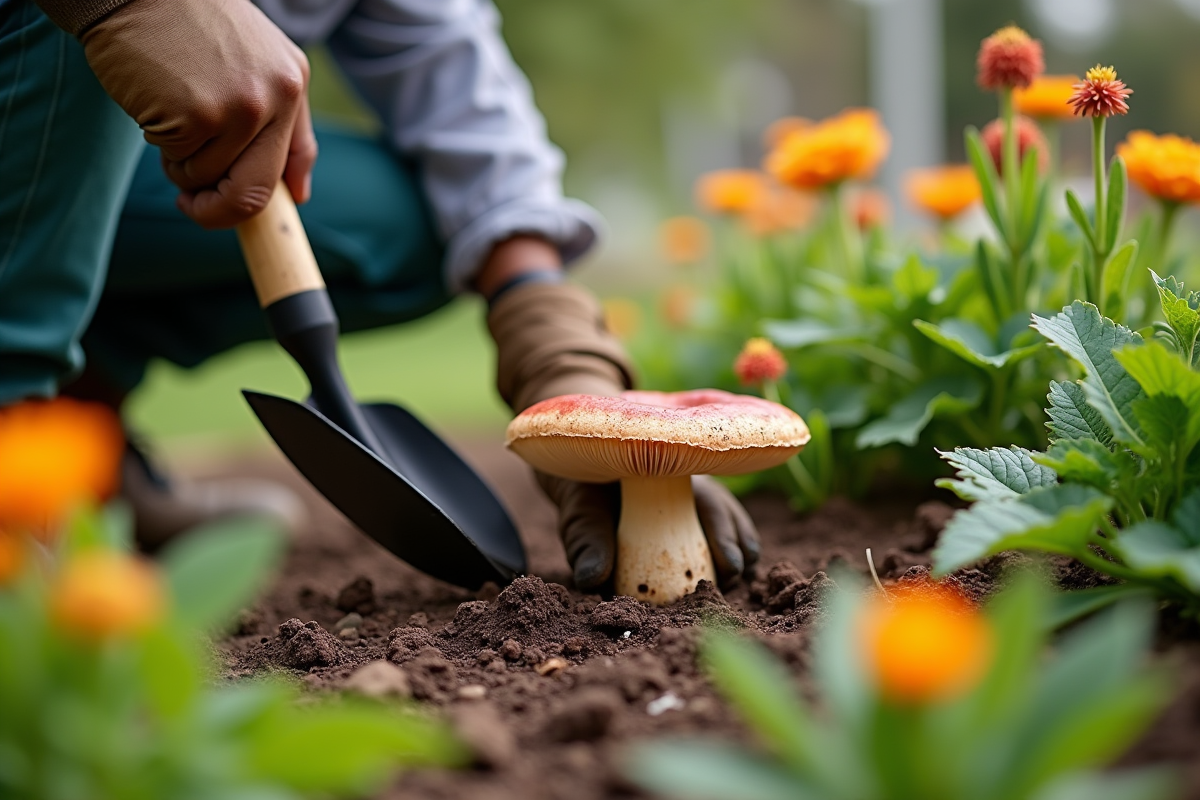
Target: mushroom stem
661,549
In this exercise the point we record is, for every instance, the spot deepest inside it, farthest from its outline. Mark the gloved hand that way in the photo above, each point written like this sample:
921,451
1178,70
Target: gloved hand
221,90
550,341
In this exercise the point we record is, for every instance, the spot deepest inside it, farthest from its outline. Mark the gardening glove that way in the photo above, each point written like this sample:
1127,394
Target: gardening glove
215,85
551,341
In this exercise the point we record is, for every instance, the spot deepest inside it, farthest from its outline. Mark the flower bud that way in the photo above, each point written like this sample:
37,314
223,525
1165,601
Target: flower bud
1008,59
759,362
101,595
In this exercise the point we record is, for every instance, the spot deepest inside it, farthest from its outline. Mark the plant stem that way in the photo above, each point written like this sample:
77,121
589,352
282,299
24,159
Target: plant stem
1170,210
1101,204
1090,559
1010,164
848,239
800,474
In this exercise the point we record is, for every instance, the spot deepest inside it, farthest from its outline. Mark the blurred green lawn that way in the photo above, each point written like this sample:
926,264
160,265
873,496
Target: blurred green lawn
440,367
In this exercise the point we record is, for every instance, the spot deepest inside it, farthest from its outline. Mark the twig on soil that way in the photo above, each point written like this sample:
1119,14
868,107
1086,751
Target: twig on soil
874,574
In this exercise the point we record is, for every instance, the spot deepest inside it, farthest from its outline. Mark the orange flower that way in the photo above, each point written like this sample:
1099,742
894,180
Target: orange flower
924,643
676,305
622,317
12,556
1029,135
683,240
1166,167
101,594
872,209
1048,97
781,210
851,145
730,191
944,192
1008,59
1100,94
780,129
54,456
759,362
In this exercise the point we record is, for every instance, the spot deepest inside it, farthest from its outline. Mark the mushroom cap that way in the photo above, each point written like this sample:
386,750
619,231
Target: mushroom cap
599,439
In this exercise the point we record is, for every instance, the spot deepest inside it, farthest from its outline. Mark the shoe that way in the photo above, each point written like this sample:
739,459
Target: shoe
164,508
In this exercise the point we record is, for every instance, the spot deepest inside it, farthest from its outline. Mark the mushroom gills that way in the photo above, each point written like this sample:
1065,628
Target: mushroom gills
662,552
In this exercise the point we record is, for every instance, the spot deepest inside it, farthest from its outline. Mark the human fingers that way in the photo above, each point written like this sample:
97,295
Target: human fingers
302,155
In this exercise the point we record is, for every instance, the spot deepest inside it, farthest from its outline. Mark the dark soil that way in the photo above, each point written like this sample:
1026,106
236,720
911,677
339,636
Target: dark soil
550,686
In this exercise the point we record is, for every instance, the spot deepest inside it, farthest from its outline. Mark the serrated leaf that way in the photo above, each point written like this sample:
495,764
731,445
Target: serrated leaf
989,179
994,474
1116,203
1090,339
908,417
1054,519
1085,461
1072,417
796,333
1081,218
1114,280
1164,421
1181,310
1161,374
1157,549
972,344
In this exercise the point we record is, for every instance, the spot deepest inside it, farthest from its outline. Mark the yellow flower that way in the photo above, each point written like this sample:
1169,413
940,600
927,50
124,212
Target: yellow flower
923,643
622,317
1166,167
944,192
12,556
850,145
683,240
1048,97
102,595
730,191
759,362
54,456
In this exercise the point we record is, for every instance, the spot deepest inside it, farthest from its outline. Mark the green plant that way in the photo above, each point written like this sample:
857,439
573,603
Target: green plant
116,699
1037,724
1119,487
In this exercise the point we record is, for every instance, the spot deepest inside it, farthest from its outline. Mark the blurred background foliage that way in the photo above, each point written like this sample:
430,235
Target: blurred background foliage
646,96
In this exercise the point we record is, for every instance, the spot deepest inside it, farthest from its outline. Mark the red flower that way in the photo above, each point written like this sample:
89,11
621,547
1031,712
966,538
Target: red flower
1028,135
759,362
1008,59
1100,94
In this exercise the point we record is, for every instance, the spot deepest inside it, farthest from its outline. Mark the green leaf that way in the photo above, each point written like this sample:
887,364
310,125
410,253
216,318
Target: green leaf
1186,517
218,569
1090,339
1146,784
168,671
1033,198
1116,204
796,333
1072,417
1161,374
760,689
1075,605
1157,549
1054,519
1081,218
700,770
1114,280
991,276
908,417
989,179
995,474
1181,310
972,344
1086,461
914,281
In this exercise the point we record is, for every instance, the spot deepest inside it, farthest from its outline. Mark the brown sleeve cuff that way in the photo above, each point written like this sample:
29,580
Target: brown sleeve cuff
551,340
76,16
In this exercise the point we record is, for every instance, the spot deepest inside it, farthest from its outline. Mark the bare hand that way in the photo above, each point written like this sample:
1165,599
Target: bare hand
220,90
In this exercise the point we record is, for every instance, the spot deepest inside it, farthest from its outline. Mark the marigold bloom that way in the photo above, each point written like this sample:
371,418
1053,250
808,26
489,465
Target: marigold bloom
1166,167
676,305
12,556
1100,94
871,209
102,594
622,317
684,240
759,362
944,192
54,456
1029,135
782,209
924,643
850,145
730,191
1008,59
1048,97
780,129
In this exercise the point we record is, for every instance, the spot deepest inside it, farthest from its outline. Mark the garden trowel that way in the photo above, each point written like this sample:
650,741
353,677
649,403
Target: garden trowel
378,464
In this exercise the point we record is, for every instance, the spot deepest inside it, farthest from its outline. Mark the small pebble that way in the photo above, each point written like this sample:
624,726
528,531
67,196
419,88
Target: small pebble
668,702
380,679
348,635
627,634
551,666
473,692
351,620
418,620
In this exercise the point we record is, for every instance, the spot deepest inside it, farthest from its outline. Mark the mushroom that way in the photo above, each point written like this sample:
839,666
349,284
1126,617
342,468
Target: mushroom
653,442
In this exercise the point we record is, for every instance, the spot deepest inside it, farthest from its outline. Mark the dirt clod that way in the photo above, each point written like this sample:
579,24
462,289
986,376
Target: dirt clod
358,595
481,729
585,717
304,645
380,679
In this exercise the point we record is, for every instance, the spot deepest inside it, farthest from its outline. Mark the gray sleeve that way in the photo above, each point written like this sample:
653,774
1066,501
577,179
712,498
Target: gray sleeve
451,97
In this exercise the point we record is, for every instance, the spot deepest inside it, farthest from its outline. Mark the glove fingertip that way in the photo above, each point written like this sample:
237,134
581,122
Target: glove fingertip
591,569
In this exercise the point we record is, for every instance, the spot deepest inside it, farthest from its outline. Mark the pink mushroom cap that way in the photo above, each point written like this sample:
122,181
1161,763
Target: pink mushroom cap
600,439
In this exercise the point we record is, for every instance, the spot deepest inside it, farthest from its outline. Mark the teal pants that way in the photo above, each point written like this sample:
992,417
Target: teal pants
96,261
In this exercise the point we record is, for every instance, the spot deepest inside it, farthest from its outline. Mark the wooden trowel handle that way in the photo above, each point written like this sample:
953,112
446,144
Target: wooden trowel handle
277,251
